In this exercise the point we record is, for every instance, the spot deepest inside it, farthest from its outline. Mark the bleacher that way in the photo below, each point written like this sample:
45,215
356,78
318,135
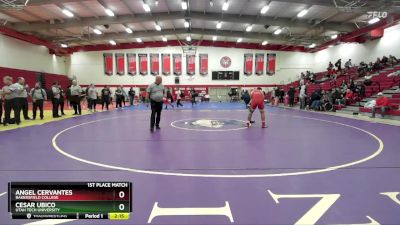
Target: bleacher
380,83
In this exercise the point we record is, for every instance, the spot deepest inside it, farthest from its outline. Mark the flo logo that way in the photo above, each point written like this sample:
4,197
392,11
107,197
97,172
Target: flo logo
208,124
377,14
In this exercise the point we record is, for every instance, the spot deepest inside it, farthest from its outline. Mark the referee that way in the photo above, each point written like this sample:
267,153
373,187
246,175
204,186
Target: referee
156,93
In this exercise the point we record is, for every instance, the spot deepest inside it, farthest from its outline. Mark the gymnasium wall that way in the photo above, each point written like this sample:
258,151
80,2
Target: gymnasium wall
369,51
22,55
88,67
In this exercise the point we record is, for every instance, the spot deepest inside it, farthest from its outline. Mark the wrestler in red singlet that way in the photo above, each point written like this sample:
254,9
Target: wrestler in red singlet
257,101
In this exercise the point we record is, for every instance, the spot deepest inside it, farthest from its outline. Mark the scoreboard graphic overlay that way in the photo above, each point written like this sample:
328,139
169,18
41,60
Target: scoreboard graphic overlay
70,200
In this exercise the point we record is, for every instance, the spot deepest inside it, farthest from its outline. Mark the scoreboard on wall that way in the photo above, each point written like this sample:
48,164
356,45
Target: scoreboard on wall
66,200
225,75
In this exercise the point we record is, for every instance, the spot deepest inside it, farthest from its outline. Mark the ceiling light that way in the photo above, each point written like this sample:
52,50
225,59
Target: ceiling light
139,40
211,3
184,5
109,12
334,36
186,24
264,9
249,28
146,7
264,43
219,25
214,38
64,46
68,13
128,30
278,31
164,39
225,6
374,20
112,42
158,27
302,13
312,45
239,40
156,2
97,31
188,38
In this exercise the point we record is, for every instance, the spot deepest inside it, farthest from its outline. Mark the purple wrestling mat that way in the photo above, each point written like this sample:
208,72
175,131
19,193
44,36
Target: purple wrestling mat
205,167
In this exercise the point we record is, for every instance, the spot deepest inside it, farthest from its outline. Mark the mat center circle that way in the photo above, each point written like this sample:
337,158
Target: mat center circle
209,124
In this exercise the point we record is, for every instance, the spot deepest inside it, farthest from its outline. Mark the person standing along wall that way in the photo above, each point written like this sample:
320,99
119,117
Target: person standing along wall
105,97
76,92
61,100
131,94
23,98
92,98
55,99
38,97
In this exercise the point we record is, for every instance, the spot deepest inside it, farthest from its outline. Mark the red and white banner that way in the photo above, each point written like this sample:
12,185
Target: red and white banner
177,62
166,64
120,62
259,64
143,68
155,64
248,64
190,64
131,60
271,64
203,59
108,63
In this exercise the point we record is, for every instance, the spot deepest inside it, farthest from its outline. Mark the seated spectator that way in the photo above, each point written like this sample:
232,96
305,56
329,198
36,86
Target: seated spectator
343,86
368,81
338,65
360,89
385,61
348,64
377,65
338,96
393,60
315,100
348,97
352,85
382,103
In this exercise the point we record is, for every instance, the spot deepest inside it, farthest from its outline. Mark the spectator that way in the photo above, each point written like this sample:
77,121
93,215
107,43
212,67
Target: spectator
315,100
62,100
246,98
330,66
38,97
132,95
302,97
1,106
92,98
393,60
193,96
352,85
9,92
119,97
377,65
169,99
124,95
360,89
382,103
338,65
179,95
76,93
55,100
343,86
348,64
22,98
385,61
291,94
105,97
348,97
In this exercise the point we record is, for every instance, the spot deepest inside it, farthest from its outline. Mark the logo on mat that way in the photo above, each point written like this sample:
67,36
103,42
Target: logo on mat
209,124
225,62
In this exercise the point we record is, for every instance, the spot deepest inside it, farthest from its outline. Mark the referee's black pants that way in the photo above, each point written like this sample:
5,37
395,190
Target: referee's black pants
156,108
